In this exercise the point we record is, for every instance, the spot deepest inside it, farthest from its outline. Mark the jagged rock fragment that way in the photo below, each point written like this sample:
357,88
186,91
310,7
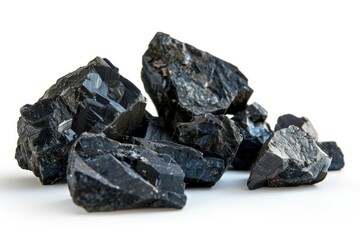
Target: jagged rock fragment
199,171
303,123
214,135
94,98
45,136
335,153
184,81
290,157
105,175
255,132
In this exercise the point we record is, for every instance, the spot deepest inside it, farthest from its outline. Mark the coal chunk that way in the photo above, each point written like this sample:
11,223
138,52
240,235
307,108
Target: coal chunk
94,98
100,99
303,123
105,175
214,135
290,157
199,171
335,153
184,81
255,132
45,136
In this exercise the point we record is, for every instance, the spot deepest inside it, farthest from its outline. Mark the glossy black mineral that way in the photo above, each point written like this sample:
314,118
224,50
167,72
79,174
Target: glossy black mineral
335,153
105,175
303,123
45,136
184,81
290,157
199,171
255,132
94,98
214,135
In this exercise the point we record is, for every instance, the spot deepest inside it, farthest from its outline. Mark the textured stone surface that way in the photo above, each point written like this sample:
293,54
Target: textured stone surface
94,98
303,123
335,153
199,171
214,135
45,137
100,99
184,81
289,158
105,175
255,132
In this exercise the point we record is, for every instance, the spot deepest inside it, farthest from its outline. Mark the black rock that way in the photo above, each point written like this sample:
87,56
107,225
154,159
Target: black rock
214,135
184,81
158,129
100,99
290,157
255,132
303,123
255,112
45,137
105,175
335,153
94,98
199,171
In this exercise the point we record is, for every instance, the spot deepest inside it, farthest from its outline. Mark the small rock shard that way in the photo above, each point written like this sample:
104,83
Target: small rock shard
335,153
105,175
290,157
94,98
184,81
303,123
255,132
199,171
214,135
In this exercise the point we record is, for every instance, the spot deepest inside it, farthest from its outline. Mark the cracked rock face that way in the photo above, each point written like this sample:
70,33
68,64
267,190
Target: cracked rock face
94,98
105,175
303,123
45,136
214,135
255,132
290,157
199,171
184,81
335,153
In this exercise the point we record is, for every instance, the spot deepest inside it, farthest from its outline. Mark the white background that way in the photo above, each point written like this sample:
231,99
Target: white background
301,58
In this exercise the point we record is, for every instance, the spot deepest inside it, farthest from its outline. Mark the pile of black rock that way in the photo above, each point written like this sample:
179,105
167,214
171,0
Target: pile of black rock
91,127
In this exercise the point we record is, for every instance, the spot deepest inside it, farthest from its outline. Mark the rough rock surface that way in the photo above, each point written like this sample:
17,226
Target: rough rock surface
94,98
335,153
45,137
199,171
105,175
214,135
290,157
303,123
184,81
255,132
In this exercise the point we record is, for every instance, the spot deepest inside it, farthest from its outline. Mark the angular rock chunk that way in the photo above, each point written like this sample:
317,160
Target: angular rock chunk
335,153
290,157
105,175
214,135
303,123
94,98
255,132
199,171
100,99
45,137
255,112
184,81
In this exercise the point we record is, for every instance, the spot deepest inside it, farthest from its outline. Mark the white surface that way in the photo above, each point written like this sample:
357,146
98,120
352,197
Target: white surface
300,58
